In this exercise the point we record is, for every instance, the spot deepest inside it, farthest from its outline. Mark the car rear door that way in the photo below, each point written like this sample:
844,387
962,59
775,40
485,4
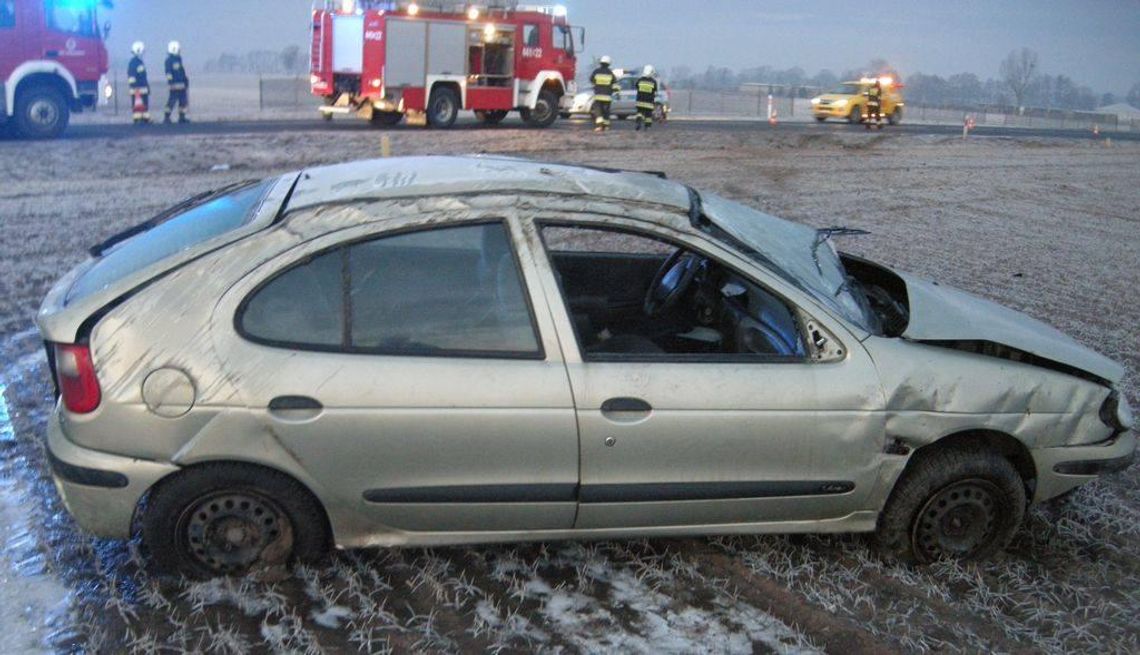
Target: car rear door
413,375
680,441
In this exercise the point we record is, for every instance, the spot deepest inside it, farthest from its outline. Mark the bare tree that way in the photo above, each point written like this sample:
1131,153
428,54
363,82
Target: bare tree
1017,71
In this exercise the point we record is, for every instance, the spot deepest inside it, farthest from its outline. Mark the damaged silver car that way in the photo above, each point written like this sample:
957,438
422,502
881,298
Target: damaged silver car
432,351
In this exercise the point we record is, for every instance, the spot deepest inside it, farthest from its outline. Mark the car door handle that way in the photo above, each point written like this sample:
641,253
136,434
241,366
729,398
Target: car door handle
626,405
295,408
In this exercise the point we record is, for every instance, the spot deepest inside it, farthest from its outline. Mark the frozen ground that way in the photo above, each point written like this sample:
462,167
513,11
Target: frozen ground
1046,227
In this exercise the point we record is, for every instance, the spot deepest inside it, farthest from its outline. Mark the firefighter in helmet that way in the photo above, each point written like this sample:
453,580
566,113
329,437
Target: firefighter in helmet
646,97
140,88
605,85
179,84
875,104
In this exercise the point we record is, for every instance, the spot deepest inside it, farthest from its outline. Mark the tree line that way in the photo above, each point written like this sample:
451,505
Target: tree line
1020,83
288,61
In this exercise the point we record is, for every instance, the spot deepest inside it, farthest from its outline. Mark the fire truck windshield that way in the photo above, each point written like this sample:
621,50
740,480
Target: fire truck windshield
72,17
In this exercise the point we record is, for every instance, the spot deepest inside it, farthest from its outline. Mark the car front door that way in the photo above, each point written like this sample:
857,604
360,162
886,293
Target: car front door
673,438
410,376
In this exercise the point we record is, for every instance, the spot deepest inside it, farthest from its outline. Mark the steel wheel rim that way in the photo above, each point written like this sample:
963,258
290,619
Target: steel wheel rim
227,532
443,109
958,521
542,111
43,113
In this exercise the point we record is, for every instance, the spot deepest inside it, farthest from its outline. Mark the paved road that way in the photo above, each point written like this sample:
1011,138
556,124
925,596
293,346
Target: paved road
127,131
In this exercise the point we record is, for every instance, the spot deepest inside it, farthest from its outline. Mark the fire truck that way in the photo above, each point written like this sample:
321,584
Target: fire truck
427,61
52,62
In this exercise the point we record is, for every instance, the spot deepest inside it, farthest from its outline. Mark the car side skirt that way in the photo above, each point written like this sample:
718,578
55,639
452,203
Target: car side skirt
862,521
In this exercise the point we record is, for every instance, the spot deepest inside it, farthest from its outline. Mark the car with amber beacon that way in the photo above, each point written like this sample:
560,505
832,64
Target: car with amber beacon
439,350
848,101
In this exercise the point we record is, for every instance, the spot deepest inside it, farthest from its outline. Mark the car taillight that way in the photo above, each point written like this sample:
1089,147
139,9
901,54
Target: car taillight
75,372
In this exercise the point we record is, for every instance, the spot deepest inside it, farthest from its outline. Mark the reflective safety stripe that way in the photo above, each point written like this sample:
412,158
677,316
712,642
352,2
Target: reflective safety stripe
645,105
603,99
646,87
603,79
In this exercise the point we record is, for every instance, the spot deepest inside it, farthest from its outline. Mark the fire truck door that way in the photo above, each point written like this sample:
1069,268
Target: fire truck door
348,44
447,48
11,44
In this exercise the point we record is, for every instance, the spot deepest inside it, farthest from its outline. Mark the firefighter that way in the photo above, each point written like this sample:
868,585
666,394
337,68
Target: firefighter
605,85
179,84
875,105
646,98
140,89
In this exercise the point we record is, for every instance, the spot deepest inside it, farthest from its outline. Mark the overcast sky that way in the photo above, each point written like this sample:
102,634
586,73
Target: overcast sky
1097,42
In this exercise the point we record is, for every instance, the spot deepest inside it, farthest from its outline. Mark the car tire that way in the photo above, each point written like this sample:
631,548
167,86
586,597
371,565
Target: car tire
896,116
443,108
564,114
491,117
952,504
820,119
855,116
230,519
386,118
659,113
545,110
41,113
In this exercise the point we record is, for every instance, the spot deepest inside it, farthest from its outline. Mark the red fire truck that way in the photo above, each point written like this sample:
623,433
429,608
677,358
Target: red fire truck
427,61
52,60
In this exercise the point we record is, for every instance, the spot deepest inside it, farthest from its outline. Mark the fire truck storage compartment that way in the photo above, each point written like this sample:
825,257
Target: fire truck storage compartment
348,44
418,48
491,56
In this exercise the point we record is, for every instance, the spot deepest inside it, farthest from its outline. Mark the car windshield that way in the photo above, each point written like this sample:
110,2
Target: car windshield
848,90
211,216
799,254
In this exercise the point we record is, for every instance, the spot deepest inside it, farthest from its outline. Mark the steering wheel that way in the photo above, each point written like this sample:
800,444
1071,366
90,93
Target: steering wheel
671,282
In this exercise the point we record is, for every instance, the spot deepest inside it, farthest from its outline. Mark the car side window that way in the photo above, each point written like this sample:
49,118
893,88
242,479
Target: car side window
636,296
7,14
442,292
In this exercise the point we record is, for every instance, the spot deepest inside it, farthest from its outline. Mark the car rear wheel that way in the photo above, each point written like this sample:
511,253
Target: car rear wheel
952,504
820,119
41,113
231,519
443,108
896,116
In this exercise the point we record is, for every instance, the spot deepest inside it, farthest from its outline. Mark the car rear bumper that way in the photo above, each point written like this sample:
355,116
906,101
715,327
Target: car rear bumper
1066,468
100,490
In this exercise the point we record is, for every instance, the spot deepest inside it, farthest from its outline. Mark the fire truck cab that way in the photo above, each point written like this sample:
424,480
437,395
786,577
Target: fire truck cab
427,61
52,59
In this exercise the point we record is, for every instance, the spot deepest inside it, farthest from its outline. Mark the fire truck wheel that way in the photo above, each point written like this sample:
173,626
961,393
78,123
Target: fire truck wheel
545,110
443,108
386,117
896,116
491,117
41,113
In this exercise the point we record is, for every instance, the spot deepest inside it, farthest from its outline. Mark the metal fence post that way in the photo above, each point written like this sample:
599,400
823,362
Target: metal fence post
260,93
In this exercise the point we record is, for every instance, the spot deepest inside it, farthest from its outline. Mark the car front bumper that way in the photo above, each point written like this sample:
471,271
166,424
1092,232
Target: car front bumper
100,490
1065,468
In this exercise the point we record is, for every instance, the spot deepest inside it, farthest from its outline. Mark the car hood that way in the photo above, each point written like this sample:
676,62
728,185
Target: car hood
832,97
941,313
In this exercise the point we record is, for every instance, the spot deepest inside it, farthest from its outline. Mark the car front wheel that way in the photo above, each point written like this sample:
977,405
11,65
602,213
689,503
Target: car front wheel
952,504
231,519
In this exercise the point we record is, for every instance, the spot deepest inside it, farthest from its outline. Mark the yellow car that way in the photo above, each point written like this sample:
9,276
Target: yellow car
849,101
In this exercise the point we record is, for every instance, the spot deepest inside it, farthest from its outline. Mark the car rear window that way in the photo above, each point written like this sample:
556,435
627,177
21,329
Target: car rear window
198,224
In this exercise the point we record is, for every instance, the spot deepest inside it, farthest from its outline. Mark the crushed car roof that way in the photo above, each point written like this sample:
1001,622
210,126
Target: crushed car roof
426,176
